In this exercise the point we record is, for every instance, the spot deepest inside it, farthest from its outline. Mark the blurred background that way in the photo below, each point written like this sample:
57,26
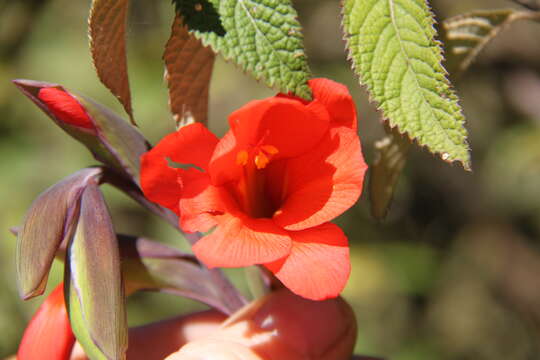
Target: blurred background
452,273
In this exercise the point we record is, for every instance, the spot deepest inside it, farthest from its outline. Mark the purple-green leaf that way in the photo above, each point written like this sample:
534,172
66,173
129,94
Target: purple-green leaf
149,265
113,141
93,263
48,222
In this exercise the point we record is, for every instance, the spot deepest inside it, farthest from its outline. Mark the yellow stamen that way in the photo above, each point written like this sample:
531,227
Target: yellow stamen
242,157
269,149
261,160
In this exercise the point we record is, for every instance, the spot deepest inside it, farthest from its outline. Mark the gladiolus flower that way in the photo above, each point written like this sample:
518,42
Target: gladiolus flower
269,187
65,107
49,335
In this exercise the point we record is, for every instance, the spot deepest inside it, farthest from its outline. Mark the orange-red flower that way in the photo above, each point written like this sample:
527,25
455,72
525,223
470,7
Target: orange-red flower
49,335
269,187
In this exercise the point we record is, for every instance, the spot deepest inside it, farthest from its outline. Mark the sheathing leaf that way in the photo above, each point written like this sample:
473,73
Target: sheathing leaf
94,271
49,221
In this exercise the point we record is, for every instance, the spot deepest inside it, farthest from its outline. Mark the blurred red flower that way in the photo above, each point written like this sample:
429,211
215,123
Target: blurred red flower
269,187
48,335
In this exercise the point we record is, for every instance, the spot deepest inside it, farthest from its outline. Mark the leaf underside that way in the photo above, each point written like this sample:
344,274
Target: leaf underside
107,33
189,69
466,35
263,37
393,49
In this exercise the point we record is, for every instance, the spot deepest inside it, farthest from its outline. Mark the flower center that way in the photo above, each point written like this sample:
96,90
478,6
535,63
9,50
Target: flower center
252,186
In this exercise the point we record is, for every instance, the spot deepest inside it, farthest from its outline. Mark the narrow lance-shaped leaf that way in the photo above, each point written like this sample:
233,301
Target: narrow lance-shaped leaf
393,49
466,35
48,222
263,37
188,71
94,275
111,140
149,265
107,32
390,158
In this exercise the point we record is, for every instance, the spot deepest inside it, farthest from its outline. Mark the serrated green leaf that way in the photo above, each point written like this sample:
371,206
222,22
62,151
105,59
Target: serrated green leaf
393,48
264,38
466,35
94,272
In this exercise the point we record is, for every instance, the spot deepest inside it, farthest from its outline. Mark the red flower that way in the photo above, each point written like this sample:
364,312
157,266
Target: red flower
49,335
65,107
269,187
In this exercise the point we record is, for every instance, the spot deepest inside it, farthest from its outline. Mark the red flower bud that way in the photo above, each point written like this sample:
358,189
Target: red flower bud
65,107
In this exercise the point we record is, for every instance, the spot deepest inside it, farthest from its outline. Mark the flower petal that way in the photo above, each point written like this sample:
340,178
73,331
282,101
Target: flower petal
242,241
285,123
65,107
49,335
337,100
191,145
323,183
318,266
159,182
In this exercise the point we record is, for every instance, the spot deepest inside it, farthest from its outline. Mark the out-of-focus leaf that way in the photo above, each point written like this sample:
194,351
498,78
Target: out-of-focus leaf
466,35
393,49
390,157
263,37
113,141
529,4
95,276
189,68
107,32
48,222
512,170
48,335
149,265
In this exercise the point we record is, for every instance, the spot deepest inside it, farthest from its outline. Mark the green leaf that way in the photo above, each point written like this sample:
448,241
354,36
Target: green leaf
49,221
93,260
393,48
263,37
390,158
466,35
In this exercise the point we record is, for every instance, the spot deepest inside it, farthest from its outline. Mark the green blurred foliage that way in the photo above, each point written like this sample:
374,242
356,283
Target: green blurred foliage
451,274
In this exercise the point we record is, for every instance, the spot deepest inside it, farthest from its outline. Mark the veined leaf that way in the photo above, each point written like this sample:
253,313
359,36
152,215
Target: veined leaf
263,37
390,157
94,275
107,32
466,35
393,48
49,221
189,68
